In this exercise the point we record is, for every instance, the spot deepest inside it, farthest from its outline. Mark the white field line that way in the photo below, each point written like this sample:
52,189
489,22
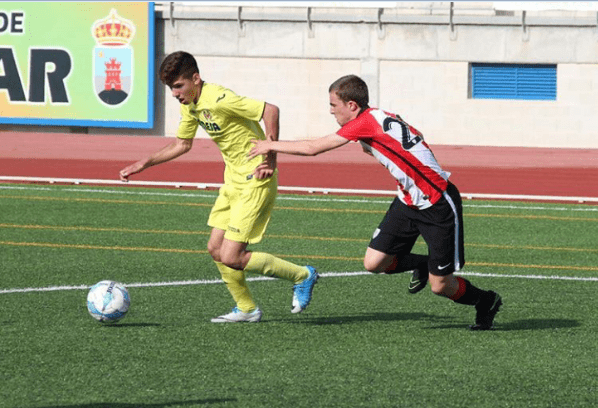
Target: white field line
204,186
263,278
288,198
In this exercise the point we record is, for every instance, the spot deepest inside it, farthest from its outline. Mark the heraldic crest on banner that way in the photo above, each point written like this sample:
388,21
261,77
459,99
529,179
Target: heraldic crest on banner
113,59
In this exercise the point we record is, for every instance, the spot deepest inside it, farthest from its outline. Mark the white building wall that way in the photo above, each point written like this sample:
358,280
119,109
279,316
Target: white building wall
433,97
414,56
299,87
415,64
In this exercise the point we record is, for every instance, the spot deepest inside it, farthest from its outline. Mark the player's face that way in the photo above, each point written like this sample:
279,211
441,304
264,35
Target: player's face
186,90
343,112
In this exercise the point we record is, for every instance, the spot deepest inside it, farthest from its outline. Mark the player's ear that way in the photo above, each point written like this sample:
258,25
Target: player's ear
354,106
196,78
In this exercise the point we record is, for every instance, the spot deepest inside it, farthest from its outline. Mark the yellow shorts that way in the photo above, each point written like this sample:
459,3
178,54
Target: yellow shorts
244,213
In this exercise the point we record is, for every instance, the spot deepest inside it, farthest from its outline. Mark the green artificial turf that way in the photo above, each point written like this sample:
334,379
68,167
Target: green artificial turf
363,342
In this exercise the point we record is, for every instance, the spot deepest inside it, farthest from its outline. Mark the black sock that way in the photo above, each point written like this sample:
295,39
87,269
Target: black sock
408,262
467,294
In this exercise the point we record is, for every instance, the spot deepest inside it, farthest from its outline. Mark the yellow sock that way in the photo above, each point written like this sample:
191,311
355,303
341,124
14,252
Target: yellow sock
270,265
237,286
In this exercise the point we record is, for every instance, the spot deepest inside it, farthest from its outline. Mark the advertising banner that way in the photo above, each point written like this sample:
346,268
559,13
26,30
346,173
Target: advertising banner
77,64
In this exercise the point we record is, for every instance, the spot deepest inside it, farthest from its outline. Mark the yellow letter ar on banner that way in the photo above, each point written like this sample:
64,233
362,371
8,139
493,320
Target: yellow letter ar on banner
85,66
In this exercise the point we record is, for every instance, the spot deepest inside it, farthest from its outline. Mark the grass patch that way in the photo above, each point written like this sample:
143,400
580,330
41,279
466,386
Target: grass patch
363,342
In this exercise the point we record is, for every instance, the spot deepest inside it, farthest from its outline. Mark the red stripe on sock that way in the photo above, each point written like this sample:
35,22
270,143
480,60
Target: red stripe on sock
461,291
392,265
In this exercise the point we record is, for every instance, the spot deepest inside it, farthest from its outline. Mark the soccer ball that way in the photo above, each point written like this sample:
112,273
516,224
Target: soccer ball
108,301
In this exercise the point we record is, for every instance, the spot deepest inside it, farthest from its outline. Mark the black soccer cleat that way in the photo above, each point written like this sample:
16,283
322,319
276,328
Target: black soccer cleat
418,281
486,309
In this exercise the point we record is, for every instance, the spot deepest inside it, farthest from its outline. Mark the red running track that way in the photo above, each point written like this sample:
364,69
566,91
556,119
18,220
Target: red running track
475,170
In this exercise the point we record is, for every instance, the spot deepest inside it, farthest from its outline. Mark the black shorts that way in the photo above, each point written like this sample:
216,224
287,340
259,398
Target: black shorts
440,225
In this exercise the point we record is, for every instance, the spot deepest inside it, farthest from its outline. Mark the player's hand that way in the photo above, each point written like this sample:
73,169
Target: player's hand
260,147
266,168
129,170
263,171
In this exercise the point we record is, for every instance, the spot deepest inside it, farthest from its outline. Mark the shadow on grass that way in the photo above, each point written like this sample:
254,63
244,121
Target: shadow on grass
126,325
537,324
519,325
206,401
371,317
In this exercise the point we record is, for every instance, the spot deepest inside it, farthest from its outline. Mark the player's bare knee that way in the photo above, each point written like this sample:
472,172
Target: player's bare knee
227,260
232,259
214,252
438,288
371,266
233,263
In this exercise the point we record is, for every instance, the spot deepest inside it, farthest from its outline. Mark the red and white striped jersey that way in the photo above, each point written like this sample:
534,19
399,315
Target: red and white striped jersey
402,150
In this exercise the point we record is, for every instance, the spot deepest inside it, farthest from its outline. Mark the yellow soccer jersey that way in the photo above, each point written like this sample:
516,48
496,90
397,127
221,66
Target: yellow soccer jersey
231,121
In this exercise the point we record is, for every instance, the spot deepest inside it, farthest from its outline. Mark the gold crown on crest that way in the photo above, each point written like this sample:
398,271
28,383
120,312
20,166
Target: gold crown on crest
113,30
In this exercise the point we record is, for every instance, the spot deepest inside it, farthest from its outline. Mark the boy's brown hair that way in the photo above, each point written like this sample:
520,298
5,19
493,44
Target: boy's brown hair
351,88
177,64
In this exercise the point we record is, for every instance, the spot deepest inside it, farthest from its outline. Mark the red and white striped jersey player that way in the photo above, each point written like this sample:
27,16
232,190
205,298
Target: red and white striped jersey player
427,203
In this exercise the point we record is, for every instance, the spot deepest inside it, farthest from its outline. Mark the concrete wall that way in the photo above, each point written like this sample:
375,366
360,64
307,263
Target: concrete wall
414,56
299,87
433,97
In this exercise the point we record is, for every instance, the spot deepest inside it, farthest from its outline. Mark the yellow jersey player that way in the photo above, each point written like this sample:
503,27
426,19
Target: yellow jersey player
242,210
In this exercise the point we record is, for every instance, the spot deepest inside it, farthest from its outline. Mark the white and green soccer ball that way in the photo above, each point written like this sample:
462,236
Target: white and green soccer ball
108,301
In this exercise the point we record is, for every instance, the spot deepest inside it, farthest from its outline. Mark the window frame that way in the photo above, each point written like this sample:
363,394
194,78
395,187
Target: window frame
509,81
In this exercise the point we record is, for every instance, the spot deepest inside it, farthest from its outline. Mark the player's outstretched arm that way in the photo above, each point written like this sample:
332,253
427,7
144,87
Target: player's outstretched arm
299,148
169,152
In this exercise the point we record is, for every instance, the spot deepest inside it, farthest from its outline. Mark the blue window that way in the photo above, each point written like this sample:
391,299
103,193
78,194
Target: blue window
513,81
